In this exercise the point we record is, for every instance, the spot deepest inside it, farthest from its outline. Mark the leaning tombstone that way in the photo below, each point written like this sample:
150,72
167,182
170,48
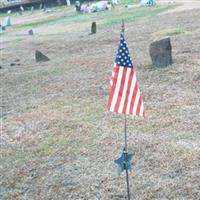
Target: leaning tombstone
161,53
93,28
30,32
40,57
22,8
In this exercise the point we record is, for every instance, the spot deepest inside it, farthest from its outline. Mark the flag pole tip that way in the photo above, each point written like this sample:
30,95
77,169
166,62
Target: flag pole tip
123,27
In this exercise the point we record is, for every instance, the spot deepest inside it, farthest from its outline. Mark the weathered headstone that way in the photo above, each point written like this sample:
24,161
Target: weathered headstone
161,52
40,57
93,28
30,32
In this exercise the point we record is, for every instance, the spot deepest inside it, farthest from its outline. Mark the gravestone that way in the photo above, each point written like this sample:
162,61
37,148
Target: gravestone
78,6
161,52
6,22
3,28
40,57
32,10
68,2
93,28
40,7
148,2
30,32
22,8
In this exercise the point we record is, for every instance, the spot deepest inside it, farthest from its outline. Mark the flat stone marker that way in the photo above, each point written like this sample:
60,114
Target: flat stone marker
30,32
93,28
161,53
40,57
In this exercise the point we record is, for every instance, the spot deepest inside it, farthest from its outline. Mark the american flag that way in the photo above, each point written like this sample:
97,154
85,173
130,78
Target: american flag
124,96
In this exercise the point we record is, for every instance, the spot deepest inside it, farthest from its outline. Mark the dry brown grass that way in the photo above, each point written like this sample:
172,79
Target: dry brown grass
59,142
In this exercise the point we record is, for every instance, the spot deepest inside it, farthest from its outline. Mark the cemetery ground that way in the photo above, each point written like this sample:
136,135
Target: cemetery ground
57,139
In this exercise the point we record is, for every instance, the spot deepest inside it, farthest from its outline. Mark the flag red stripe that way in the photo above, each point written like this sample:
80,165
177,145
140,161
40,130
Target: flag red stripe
113,86
128,91
133,98
120,92
139,106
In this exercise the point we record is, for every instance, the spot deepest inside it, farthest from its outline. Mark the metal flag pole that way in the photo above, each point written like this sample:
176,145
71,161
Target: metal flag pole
126,158
126,146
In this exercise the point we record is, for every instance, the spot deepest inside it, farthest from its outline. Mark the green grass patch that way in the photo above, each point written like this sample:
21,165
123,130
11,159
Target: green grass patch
113,16
169,32
43,73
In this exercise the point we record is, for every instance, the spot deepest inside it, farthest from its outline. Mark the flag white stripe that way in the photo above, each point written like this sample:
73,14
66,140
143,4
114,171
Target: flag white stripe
133,82
117,88
121,106
136,102
113,75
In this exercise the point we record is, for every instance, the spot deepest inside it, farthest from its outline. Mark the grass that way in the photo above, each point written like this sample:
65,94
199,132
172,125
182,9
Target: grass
169,32
103,18
72,128
42,73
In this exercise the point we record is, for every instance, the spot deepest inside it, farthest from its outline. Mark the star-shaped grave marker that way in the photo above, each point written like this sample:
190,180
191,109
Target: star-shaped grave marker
124,161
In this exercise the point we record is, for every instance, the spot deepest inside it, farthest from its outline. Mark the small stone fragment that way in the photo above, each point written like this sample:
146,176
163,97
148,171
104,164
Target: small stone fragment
40,57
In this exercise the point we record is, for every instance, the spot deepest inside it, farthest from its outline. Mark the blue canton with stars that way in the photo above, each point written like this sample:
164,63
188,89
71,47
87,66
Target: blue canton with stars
123,57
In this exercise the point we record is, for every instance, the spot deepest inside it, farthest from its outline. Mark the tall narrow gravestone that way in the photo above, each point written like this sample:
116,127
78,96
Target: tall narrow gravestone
68,2
32,10
93,28
161,52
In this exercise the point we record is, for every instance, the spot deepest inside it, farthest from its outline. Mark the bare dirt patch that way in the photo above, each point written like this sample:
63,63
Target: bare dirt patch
183,5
